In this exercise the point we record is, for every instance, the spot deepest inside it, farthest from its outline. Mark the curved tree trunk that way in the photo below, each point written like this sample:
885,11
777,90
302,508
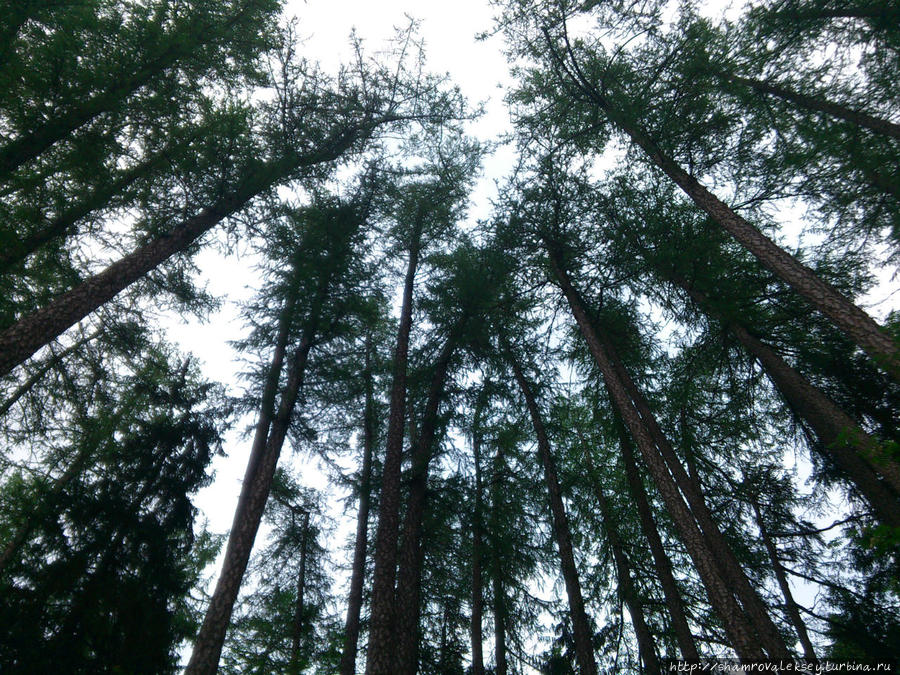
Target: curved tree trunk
251,504
584,649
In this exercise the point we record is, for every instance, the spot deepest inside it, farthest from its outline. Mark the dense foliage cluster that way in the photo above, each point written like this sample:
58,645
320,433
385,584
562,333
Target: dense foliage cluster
638,413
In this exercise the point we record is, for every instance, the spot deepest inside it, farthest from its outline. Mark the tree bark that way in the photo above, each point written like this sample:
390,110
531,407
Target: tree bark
790,606
736,623
584,649
661,562
848,318
379,660
19,341
854,451
407,599
627,590
354,603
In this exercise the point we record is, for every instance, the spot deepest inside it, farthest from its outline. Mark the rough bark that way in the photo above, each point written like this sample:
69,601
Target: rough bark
379,659
19,341
354,603
627,590
790,606
584,650
737,625
407,599
661,562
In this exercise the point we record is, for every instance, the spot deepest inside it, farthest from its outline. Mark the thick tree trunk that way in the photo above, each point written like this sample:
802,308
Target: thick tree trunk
584,649
846,316
379,660
790,606
627,590
816,104
354,603
736,624
299,606
19,341
856,453
849,318
477,583
407,599
661,562
254,494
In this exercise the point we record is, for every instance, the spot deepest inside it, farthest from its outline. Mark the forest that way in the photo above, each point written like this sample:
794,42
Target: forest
648,409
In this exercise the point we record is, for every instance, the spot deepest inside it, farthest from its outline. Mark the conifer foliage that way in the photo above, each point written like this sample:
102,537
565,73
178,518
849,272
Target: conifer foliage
641,410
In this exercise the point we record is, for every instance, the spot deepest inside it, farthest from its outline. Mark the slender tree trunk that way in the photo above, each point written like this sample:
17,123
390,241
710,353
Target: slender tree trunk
859,455
379,660
817,104
254,494
790,606
500,664
584,649
661,561
849,318
19,341
477,584
407,600
627,590
736,624
299,607
354,604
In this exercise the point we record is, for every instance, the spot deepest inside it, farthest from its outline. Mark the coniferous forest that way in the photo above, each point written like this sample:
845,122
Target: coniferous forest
647,409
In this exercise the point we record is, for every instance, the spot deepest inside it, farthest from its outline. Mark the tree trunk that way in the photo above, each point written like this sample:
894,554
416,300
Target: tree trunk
737,625
477,584
354,603
856,453
846,316
379,660
407,600
627,590
849,318
19,341
584,649
790,607
661,561
254,494
299,607
500,664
